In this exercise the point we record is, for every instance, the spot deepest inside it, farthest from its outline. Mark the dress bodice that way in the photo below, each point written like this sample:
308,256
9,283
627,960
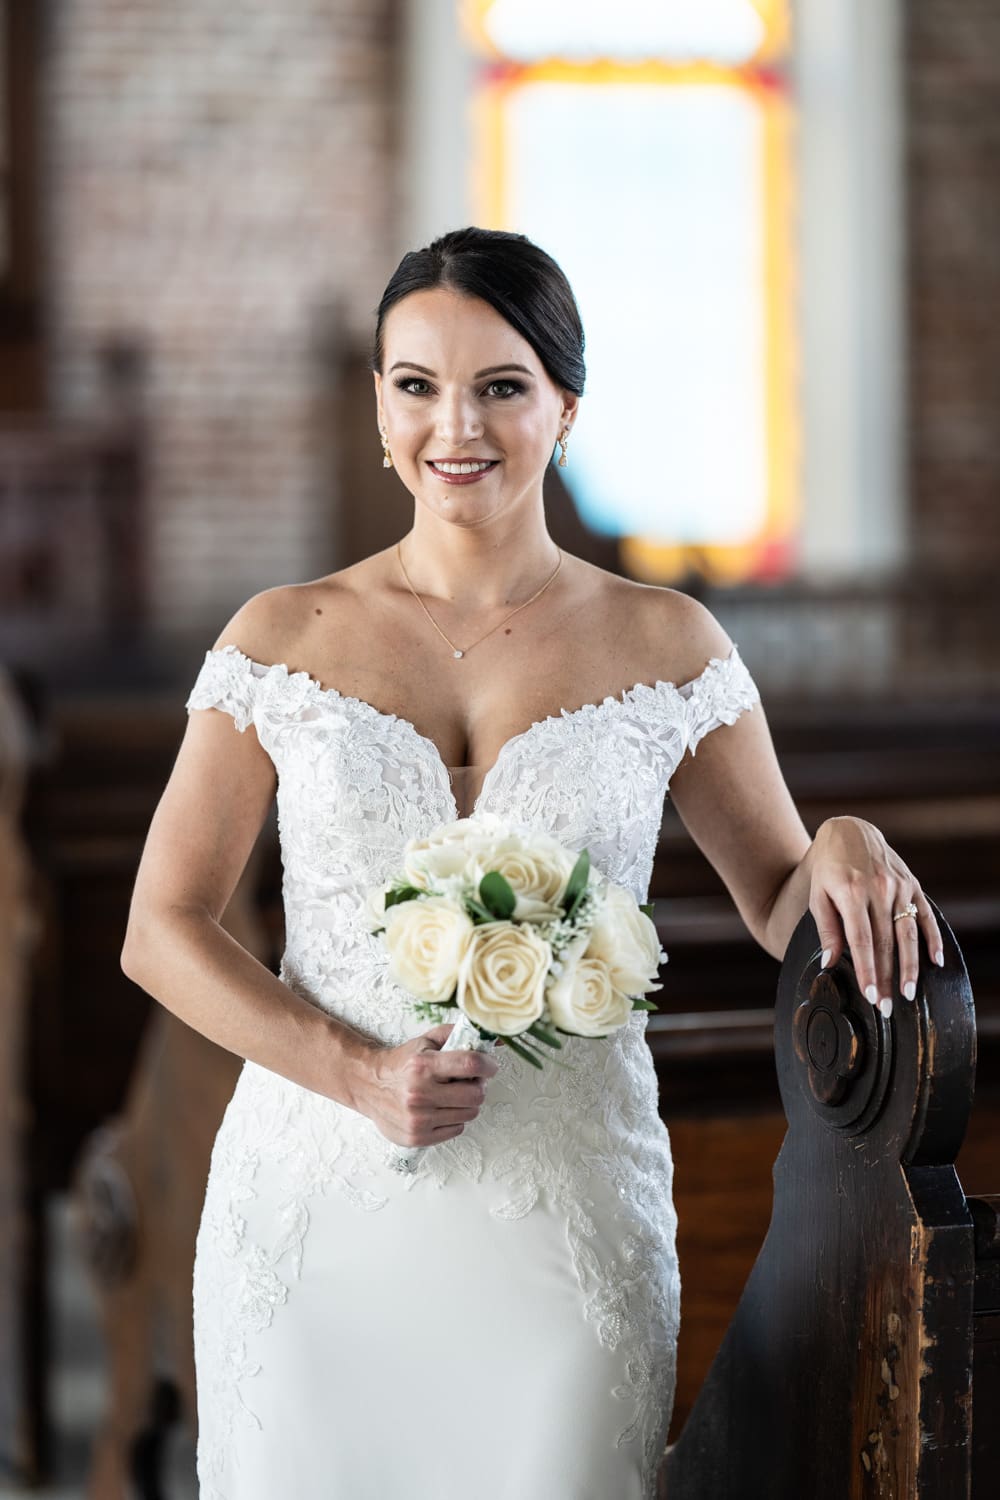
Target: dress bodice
355,783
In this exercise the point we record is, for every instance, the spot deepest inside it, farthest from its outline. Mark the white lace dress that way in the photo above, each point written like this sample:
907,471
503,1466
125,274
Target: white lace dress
502,1323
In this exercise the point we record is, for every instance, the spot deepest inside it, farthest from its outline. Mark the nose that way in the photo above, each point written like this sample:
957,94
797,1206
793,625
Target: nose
457,419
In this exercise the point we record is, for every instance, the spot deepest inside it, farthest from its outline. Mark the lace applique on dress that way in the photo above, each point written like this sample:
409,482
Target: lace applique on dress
723,691
226,681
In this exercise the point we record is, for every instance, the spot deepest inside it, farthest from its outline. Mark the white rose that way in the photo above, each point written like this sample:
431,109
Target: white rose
583,999
501,983
427,939
374,908
626,940
446,852
537,872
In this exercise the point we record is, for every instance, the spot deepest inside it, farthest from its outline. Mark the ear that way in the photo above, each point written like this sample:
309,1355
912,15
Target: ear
571,404
380,414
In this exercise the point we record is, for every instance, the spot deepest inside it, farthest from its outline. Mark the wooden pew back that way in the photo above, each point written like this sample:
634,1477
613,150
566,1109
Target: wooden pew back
986,1349
847,1368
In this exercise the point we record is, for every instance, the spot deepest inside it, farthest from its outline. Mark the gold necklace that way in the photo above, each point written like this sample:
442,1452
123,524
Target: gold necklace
455,650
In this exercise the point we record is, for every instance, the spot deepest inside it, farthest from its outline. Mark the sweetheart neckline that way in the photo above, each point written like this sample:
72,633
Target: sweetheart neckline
621,700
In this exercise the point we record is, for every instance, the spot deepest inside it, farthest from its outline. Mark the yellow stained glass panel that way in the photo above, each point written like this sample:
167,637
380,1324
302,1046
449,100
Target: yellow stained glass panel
670,530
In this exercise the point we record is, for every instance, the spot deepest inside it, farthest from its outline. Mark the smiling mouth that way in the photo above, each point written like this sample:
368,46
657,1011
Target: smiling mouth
463,466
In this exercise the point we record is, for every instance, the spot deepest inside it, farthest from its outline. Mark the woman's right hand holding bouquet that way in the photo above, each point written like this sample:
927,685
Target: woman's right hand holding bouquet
418,1095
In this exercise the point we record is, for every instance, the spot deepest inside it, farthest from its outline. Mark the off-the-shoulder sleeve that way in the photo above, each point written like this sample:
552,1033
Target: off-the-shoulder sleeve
722,692
227,681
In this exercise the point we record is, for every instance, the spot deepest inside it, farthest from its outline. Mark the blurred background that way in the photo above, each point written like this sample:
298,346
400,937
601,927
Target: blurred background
781,219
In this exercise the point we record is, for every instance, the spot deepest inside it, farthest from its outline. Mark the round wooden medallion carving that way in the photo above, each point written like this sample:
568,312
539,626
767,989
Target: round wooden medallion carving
844,1050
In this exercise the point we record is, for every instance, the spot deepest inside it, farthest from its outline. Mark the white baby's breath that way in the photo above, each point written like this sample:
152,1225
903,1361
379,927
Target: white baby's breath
456,887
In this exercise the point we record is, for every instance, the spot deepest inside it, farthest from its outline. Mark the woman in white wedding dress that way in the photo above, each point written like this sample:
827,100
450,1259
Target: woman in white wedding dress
501,1324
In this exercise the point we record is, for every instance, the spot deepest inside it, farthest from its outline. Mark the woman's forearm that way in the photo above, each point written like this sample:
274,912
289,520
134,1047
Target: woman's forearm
194,968
789,905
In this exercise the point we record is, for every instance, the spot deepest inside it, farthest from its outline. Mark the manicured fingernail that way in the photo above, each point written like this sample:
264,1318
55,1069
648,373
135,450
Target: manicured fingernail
910,990
885,1006
871,993
825,958
939,959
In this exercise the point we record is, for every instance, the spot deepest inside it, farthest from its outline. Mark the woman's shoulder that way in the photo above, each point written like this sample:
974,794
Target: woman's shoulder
271,624
668,634
258,628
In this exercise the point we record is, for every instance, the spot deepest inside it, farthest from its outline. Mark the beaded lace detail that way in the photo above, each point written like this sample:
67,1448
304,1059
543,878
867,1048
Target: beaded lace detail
354,784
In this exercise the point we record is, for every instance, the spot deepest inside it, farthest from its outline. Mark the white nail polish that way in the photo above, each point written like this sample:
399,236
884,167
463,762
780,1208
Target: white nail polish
885,1006
871,993
825,959
939,959
910,990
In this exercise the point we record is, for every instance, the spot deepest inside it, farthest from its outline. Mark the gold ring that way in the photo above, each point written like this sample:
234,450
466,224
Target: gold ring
909,910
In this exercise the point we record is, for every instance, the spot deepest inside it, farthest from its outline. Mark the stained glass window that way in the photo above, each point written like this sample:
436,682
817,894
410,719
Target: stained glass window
647,147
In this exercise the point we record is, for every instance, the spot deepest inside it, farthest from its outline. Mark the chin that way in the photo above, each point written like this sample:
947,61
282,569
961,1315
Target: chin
461,509
471,518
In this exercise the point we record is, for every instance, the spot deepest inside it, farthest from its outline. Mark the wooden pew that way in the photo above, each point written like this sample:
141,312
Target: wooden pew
930,784
847,1370
136,1194
19,936
986,1347
89,807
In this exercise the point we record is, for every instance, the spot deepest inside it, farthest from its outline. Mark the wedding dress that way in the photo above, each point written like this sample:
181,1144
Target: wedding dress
501,1324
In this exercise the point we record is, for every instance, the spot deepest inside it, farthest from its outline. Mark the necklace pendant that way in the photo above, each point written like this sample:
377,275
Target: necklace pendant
457,653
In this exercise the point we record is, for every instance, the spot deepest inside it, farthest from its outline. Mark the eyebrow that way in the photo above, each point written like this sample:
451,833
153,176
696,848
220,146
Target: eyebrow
490,369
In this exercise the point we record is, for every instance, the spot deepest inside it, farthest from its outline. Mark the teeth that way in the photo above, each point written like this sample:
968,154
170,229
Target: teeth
474,468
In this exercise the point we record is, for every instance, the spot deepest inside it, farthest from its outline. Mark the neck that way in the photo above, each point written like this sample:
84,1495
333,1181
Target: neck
478,568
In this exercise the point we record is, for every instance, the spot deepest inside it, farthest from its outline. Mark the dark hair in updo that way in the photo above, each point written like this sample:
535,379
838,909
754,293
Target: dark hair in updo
512,274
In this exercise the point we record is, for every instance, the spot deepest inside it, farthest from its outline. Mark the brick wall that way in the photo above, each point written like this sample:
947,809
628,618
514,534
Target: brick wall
219,178
953,127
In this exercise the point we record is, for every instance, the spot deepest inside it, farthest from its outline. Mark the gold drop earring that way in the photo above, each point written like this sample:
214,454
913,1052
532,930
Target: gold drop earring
387,460
562,443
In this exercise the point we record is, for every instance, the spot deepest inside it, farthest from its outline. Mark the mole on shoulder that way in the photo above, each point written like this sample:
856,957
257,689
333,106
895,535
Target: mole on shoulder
318,610
507,631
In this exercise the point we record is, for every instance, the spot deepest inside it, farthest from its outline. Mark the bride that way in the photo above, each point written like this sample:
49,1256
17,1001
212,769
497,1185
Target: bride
502,1322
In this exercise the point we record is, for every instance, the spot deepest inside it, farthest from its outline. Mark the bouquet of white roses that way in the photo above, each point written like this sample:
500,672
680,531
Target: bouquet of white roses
513,936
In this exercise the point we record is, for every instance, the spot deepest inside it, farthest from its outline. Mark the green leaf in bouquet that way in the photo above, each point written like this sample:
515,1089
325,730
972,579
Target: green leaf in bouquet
533,1048
643,1004
497,895
544,1035
401,893
577,883
523,1051
647,908
477,911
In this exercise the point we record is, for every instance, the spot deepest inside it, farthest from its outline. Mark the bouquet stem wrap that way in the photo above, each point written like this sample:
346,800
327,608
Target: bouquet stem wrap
464,1037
